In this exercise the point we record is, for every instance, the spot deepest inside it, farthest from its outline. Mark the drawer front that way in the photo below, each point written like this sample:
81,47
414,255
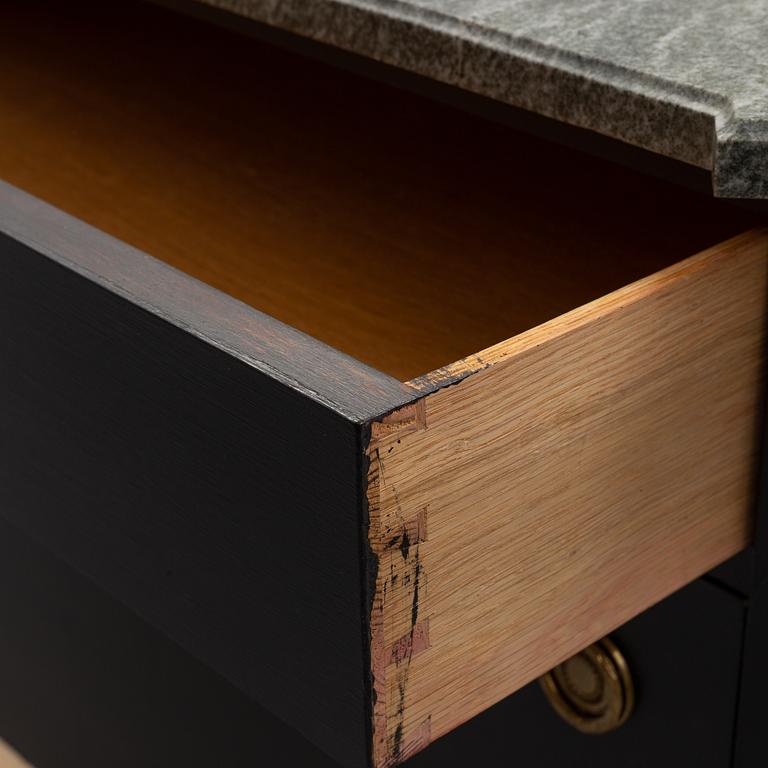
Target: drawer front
580,473
191,460
161,438
684,657
86,683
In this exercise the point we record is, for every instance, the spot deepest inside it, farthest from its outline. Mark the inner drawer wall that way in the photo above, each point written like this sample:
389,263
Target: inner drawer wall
402,232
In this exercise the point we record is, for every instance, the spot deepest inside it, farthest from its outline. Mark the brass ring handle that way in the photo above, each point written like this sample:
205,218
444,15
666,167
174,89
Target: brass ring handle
593,690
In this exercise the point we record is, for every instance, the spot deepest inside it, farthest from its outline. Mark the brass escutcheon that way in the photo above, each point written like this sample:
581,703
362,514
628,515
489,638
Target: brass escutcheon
592,691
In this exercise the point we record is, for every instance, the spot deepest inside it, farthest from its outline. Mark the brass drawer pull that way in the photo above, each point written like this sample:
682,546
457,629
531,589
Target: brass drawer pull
592,691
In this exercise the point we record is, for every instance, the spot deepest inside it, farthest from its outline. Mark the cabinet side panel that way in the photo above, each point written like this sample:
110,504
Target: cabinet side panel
221,505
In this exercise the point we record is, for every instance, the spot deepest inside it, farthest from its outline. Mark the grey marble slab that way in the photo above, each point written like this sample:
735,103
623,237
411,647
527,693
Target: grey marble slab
684,78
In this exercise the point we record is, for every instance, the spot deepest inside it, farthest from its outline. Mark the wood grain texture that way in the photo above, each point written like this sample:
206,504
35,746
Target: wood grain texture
219,502
402,232
588,468
204,463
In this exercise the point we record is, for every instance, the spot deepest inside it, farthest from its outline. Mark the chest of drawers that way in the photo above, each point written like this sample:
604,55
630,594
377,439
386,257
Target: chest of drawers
376,408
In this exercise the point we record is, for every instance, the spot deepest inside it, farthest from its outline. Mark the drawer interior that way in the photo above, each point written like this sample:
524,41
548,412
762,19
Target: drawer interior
401,231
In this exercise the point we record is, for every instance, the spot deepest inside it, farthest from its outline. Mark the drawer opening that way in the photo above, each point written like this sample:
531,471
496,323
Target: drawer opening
401,231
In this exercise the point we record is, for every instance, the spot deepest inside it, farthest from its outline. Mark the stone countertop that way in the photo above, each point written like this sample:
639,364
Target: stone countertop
687,79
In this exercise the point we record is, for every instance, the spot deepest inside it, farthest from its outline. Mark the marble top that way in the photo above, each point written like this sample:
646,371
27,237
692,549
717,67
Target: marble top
684,78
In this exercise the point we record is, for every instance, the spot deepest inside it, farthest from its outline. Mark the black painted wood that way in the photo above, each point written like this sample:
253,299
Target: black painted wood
163,463
751,743
760,547
156,436
739,573
85,683
303,364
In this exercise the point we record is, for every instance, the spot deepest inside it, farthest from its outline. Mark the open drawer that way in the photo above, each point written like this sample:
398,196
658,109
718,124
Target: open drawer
502,399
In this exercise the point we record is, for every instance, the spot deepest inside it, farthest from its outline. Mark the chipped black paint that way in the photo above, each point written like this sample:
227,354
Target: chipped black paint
405,544
415,604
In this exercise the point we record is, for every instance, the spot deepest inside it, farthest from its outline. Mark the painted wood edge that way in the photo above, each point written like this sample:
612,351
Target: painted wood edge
386,660
571,321
316,370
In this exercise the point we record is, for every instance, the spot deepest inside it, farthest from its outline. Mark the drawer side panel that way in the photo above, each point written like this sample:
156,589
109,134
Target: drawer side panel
587,469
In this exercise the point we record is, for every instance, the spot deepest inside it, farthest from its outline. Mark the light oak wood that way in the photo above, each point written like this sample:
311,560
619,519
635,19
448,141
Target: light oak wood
9,758
584,471
400,231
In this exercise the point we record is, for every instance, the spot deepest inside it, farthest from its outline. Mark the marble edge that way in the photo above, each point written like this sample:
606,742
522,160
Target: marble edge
682,122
